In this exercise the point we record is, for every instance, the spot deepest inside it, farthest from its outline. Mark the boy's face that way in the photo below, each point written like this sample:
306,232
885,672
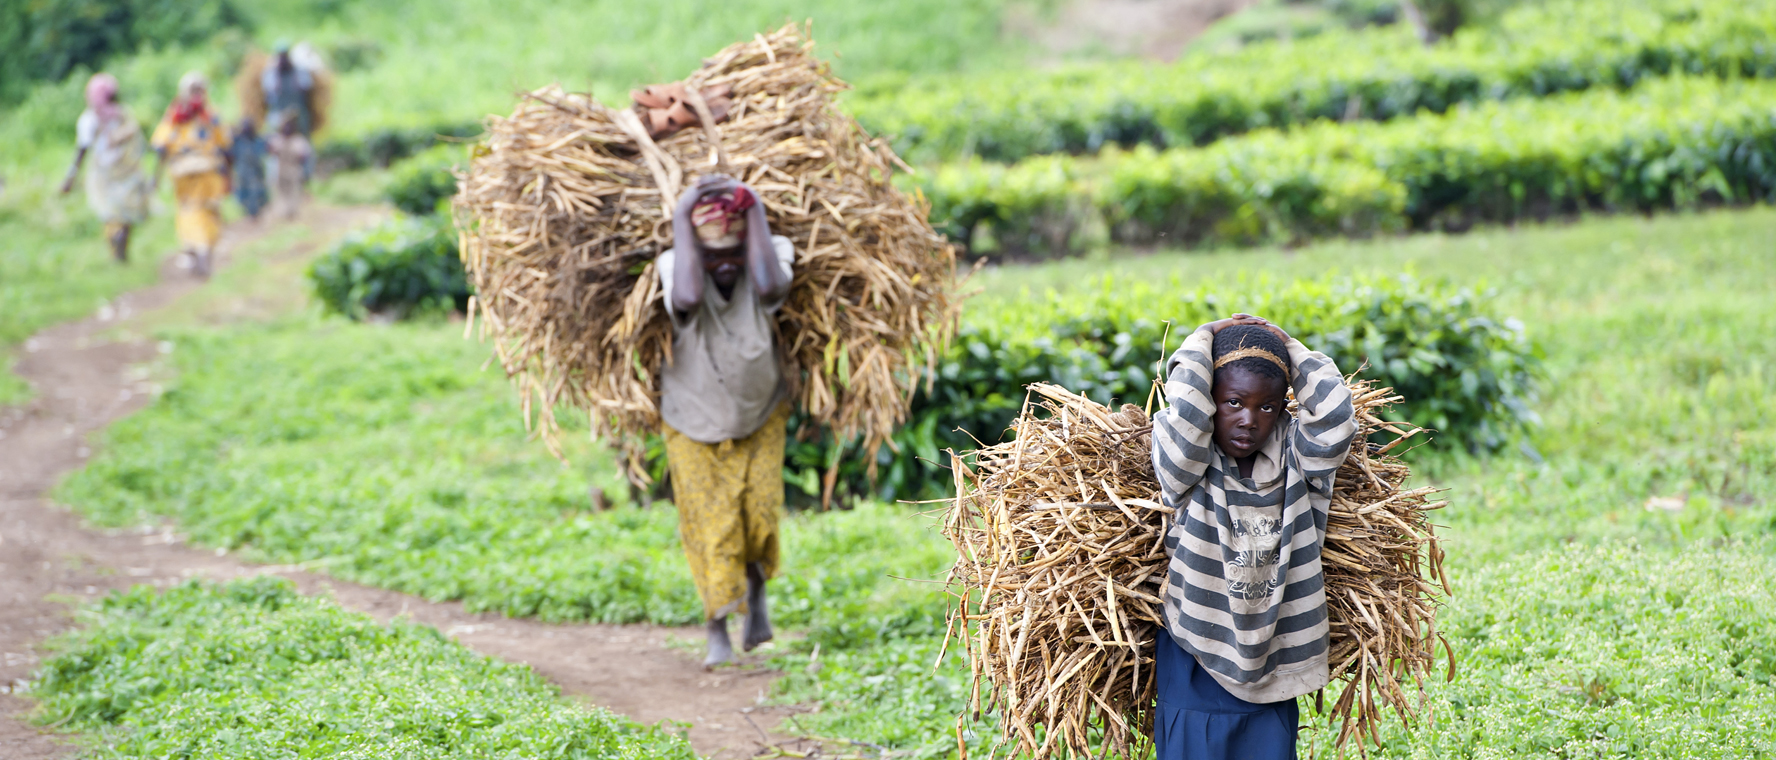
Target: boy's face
1247,407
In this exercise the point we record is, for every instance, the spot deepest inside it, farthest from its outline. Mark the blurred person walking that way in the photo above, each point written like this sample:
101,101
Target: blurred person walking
116,188
194,148
290,156
249,156
289,86
724,402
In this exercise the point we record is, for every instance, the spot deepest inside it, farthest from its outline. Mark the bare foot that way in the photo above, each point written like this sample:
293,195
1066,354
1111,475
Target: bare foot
720,648
755,628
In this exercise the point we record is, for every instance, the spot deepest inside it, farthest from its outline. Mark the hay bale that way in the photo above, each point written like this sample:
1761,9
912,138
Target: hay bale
1060,541
249,92
565,206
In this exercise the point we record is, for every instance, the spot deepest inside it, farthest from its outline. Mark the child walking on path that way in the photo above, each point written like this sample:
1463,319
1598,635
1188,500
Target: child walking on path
249,168
1245,603
724,403
290,152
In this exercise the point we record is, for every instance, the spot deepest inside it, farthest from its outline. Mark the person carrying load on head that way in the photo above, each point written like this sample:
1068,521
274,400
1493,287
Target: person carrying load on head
193,146
1244,596
724,401
288,88
116,189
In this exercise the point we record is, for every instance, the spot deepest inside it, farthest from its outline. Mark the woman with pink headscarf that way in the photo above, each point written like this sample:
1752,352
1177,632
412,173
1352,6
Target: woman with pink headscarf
116,188
193,147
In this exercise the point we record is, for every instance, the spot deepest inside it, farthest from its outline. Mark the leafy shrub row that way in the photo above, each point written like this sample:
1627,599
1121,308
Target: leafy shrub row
48,41
1676,142
419,184
1378,74
383,147
1465,370
395,269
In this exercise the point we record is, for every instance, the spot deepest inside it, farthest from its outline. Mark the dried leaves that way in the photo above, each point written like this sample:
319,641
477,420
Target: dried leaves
566,205
1059,535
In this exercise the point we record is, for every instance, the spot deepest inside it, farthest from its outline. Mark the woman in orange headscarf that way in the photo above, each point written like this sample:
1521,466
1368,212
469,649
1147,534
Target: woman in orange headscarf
193,147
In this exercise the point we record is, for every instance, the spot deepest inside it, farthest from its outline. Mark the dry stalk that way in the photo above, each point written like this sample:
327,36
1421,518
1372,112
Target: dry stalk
566,203
1059,536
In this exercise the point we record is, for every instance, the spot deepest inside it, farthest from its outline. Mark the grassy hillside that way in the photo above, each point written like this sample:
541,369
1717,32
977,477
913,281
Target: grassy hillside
1585,620
407,67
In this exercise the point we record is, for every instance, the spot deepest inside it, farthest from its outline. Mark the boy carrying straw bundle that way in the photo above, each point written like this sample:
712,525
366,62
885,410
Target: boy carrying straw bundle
723,401
1244,598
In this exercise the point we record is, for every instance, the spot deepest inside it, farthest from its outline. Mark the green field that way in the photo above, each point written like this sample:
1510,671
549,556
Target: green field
251,669
1584,620
448,63
1610,564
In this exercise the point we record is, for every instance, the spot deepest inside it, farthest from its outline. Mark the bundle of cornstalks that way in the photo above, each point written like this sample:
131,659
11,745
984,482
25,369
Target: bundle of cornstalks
567,203
1060,541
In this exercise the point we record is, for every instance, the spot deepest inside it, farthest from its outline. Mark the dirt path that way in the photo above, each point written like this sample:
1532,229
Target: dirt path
48,559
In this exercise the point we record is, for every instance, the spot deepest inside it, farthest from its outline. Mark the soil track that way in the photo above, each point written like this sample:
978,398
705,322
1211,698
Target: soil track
86,378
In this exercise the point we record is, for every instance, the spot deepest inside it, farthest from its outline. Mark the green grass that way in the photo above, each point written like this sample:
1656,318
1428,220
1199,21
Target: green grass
454,61
447,62
386,457
55,265
251,669
1586,624
1582,619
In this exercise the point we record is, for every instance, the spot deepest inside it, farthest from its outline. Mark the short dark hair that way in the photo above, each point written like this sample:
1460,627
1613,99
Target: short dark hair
1236,337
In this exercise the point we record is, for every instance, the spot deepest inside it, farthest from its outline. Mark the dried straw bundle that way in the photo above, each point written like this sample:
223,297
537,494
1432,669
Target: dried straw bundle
565,206
1059,535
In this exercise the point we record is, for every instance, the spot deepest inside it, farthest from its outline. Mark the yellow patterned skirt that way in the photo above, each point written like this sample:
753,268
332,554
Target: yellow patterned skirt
199,221
729,497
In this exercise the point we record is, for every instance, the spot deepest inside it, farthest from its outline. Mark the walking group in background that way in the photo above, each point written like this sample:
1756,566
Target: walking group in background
267,157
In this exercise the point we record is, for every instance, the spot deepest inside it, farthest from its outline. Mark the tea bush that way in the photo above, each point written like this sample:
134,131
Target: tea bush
418,184
1465,370
48,41
382,147
1675,143
1531,51
404,266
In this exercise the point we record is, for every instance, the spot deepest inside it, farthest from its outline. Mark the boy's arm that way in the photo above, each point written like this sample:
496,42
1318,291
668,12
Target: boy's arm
761,254
687,274
1183,430
1326,422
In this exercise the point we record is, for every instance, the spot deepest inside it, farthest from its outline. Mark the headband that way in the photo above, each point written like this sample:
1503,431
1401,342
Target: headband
1252,353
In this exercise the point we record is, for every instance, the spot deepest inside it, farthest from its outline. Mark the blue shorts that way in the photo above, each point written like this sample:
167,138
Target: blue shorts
1199,720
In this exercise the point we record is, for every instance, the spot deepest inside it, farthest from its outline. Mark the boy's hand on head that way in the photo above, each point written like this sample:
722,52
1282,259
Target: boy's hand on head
1237,319
1248,319
706,184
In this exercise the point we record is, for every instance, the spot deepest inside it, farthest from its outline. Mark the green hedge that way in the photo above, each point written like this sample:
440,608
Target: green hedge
1678,142
1379,73
419,184
405,266
49,40
1464,369
383,147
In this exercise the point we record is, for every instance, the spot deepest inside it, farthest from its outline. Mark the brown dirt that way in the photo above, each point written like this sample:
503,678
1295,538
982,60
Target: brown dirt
1159,29
90,373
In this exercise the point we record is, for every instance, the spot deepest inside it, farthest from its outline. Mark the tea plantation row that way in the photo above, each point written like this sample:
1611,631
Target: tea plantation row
1672,143
1380,73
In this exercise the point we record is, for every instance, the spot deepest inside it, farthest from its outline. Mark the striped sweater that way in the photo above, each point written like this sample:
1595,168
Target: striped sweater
1244,593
